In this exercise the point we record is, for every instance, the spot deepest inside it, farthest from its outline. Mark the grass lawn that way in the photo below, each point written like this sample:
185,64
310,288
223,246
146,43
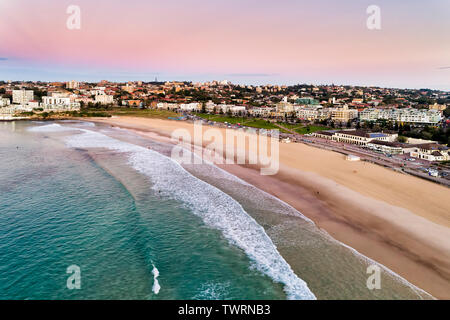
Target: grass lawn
254,123
301,128
145,113
290,126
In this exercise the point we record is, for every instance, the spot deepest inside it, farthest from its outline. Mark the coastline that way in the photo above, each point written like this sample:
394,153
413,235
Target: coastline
374,210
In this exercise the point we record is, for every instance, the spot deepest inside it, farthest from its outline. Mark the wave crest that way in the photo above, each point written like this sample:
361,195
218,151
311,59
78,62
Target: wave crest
217,209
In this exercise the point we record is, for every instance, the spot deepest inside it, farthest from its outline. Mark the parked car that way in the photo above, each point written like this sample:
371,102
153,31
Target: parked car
433,173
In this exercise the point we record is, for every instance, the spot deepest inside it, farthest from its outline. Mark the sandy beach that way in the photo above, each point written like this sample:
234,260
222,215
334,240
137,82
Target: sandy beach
401,221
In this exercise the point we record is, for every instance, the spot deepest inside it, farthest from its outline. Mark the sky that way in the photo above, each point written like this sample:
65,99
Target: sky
244,41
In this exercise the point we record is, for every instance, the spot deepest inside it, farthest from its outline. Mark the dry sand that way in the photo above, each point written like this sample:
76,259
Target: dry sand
401,221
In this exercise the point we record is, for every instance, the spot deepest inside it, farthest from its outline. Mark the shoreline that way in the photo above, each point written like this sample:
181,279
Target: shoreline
404,237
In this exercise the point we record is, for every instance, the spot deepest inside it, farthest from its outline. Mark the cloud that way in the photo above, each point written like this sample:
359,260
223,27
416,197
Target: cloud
442,68
3,59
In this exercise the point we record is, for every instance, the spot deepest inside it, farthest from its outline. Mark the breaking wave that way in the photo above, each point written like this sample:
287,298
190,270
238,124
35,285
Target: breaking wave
156,287
217,209
54,127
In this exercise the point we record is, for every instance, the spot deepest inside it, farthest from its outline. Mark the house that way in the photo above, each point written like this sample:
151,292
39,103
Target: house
431,152
133,103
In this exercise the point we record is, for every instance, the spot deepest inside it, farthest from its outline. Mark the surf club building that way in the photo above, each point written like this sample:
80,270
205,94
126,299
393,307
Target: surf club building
358,137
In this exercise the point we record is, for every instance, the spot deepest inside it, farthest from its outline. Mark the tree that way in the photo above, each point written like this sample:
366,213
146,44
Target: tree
447,112
396,126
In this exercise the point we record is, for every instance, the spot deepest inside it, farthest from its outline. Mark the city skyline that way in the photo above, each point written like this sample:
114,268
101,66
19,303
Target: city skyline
305,42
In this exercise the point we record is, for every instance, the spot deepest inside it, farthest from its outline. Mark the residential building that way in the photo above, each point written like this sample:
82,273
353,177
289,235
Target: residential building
167,106
104,99
309,113
408,115
343,114
261,112
431,152
190,107
22,96
72,84
438,107
4,102
284,108
56,103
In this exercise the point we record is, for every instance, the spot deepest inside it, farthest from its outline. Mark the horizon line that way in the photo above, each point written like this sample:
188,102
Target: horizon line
230,82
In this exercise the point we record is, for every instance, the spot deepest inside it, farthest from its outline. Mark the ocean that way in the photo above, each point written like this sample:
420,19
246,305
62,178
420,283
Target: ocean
141,226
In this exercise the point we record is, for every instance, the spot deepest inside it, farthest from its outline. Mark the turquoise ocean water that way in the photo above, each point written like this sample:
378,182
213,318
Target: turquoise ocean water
140,226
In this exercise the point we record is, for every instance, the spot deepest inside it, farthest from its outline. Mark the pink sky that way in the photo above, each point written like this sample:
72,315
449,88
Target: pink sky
283,41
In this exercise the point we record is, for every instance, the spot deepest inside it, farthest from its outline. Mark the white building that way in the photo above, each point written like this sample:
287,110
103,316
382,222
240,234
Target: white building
386,147
72,84
284,107
12,109
98,91
261,112
22,96
189,107
167,106
431,152
210,106
33,104
409,115
234,110
104,99
358,137
59,104
238,110
309,113
343,114
4,102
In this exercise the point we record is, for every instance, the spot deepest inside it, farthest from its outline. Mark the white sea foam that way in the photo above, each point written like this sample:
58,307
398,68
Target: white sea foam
88,124
156,287
258,196
217,209
54,127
